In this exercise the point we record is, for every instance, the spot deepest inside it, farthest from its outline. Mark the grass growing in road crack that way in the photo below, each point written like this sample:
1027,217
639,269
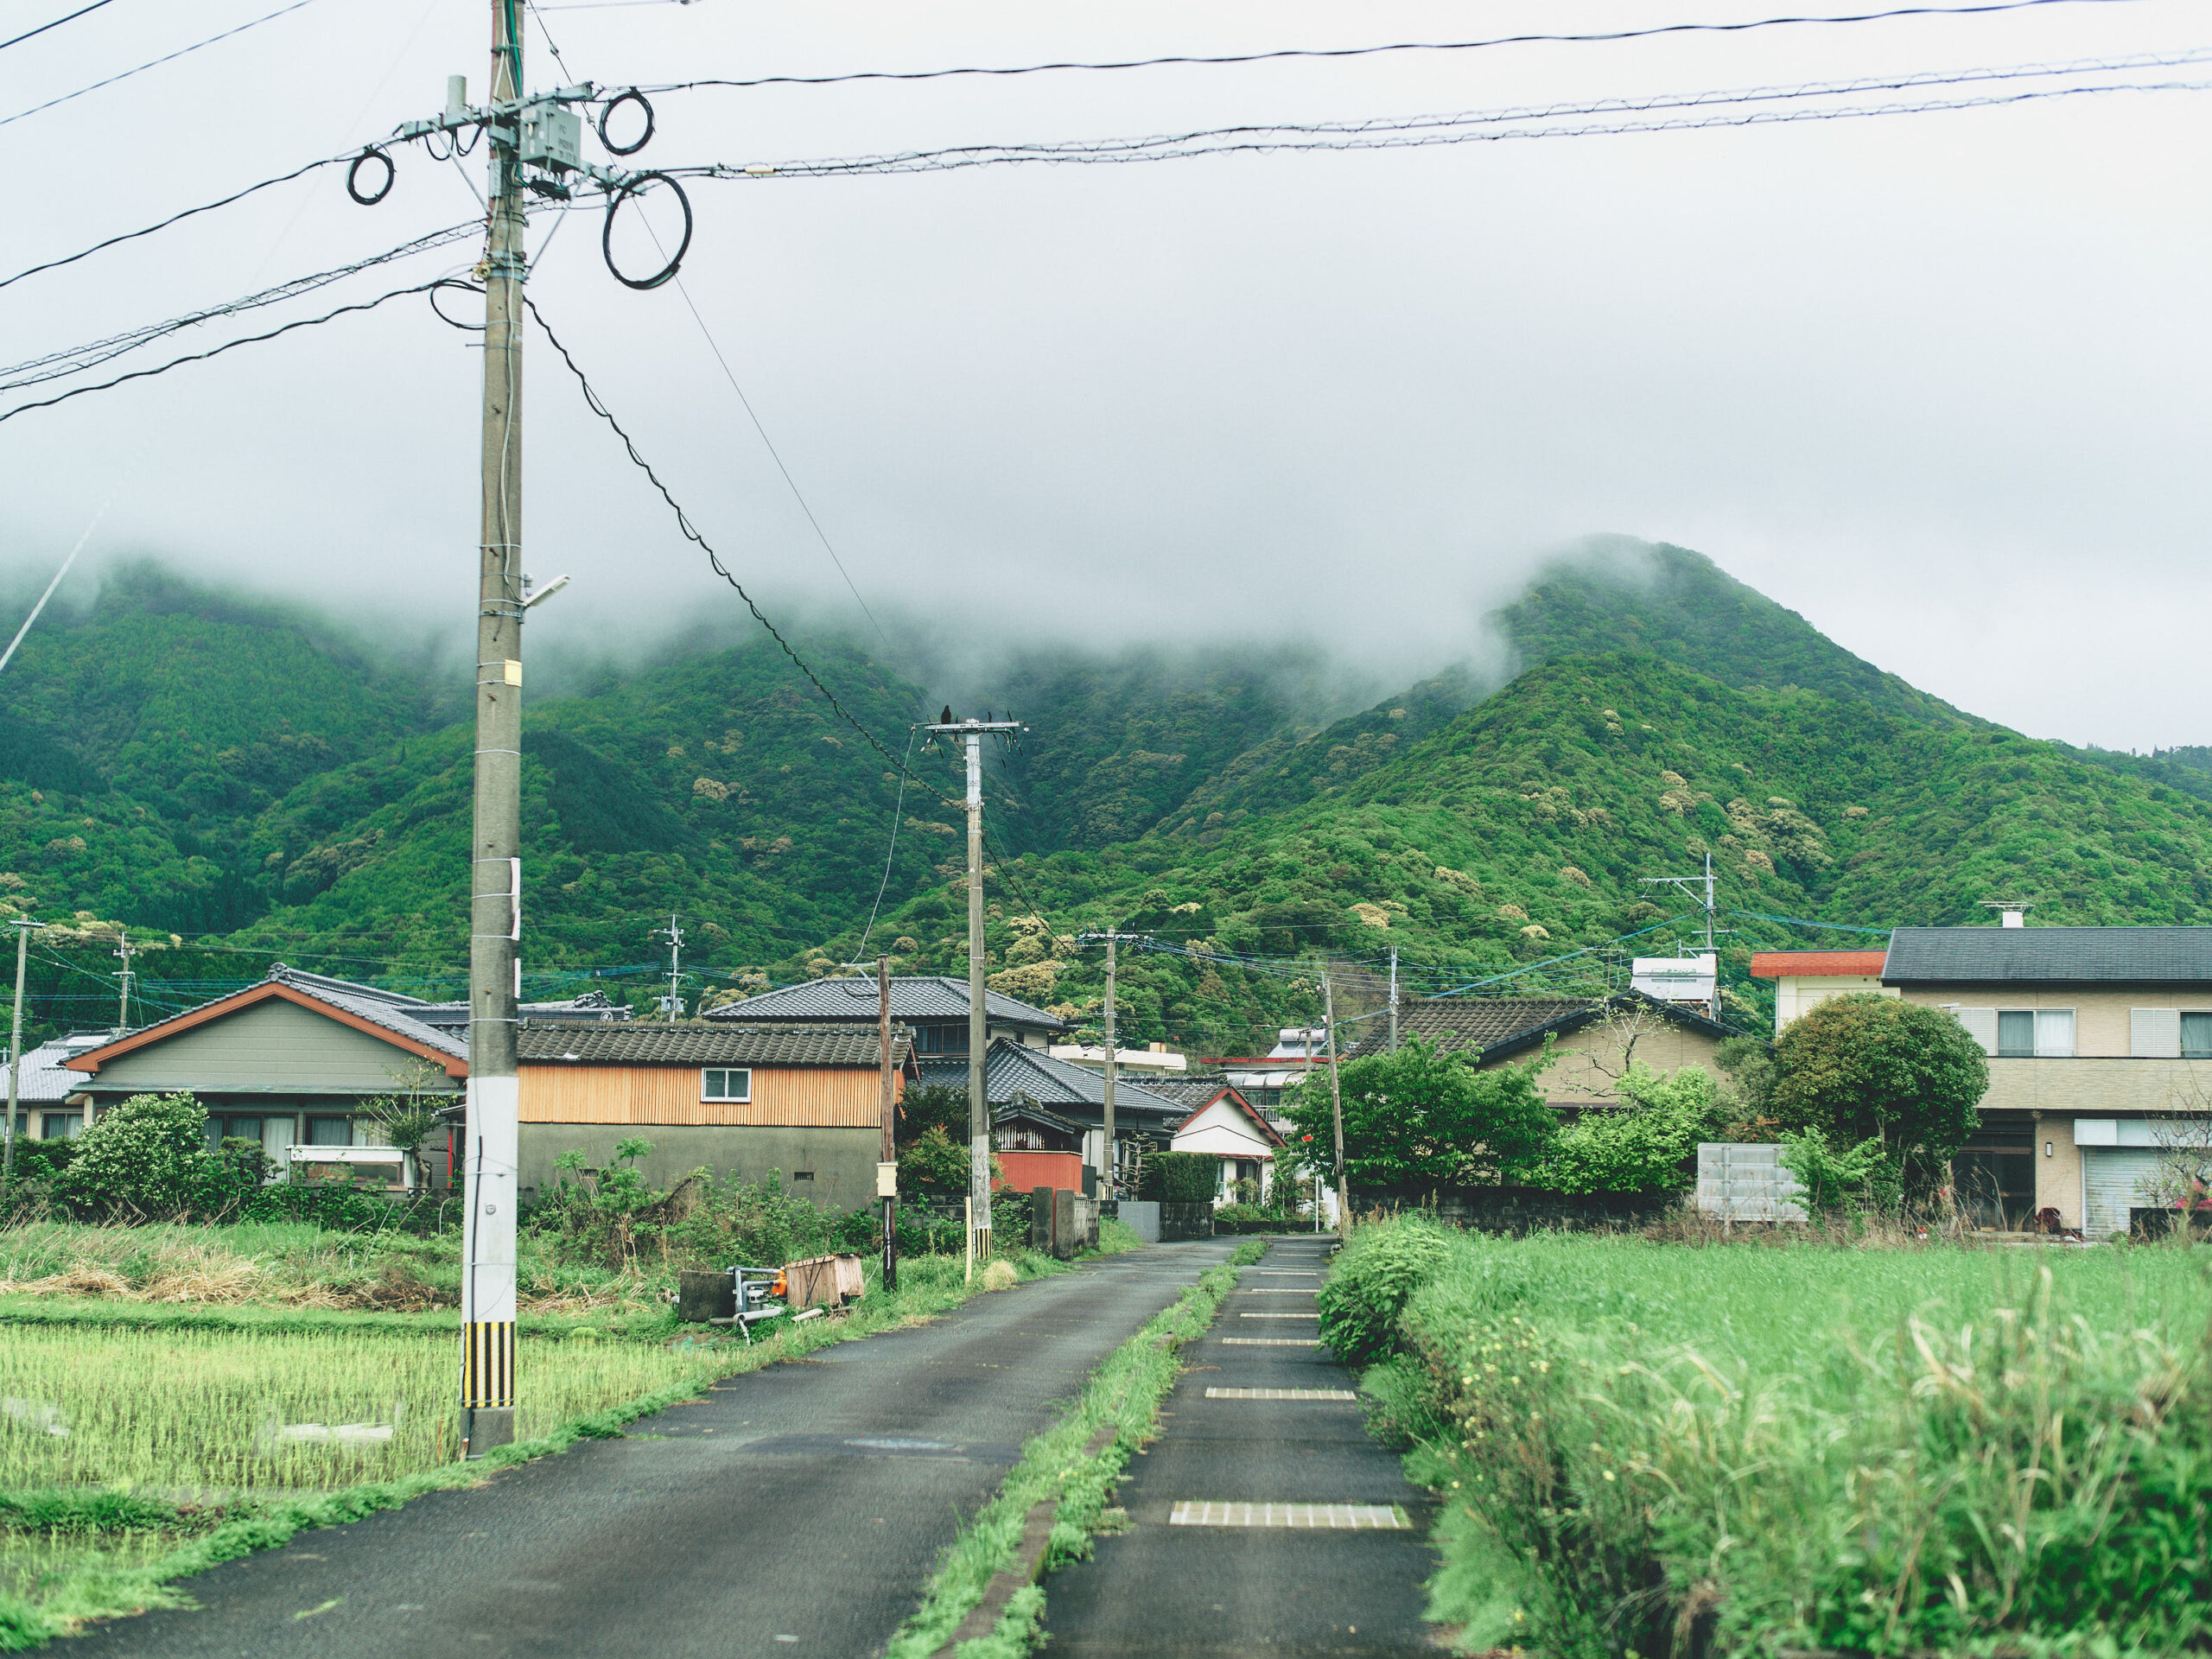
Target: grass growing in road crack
1125,1392
72,1551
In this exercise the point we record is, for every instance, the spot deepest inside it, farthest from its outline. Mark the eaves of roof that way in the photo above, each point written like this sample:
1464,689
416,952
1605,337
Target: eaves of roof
377,1019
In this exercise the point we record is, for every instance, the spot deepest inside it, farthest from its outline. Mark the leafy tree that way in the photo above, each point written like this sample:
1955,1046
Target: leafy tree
1866,1067
147,1157
1848,1180
1644,1145
933,1106
933,1165
1423,1116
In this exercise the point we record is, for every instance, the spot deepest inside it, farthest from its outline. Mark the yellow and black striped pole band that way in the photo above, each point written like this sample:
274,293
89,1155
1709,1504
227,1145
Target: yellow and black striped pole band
487,1364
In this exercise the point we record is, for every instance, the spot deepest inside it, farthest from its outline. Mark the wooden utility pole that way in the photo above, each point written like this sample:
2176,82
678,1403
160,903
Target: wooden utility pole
970,732
14,1056
493,1151
886,1169
1336,1105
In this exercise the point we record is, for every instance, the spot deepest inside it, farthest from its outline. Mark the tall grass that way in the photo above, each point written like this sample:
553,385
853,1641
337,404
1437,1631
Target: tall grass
1653,1451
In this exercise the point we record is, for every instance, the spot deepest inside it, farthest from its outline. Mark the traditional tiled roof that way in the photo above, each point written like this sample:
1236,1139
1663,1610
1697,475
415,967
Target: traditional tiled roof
42,1077
1251,1113
931,997
1499,1026
1191,1094
1012,1071
2131,955
694,1042
1815,965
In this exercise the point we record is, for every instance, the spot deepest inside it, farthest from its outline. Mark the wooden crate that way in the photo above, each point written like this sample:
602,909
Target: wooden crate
823,1281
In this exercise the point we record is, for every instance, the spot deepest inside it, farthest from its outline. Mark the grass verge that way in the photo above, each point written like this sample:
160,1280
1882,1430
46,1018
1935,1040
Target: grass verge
1740,1451
135,1583
1124,1392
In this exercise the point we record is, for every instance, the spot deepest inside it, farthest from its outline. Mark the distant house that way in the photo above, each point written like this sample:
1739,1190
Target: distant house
1300,1050
743,1100
934,1007
1595,1038
50,1101
1049,1117
290,1063
1805,979
1221,1124
2100,1045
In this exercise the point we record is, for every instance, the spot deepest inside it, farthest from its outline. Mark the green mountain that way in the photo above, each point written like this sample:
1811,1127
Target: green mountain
193,763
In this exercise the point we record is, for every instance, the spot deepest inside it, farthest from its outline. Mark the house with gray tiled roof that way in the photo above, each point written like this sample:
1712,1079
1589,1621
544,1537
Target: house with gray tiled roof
1593,1039
292,1062
933,1006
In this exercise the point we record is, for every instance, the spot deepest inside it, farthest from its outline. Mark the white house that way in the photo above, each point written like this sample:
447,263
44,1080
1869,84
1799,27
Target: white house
1224,1125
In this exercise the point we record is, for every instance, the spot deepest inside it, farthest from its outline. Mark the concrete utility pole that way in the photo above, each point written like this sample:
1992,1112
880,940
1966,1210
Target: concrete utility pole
1109,1166
971,732
123,982
887,1171
672,1004
493,1151
1394,999
1336,1106
14,1056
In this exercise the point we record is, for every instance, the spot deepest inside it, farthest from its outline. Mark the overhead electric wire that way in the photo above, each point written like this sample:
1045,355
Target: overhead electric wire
769,443
690,533
1282,53
1800,921
218,350
1484,126
75,359
884,886
155,63
29,32
162,224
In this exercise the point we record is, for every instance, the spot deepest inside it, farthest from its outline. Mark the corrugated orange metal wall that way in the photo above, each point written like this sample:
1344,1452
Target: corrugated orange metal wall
796,1097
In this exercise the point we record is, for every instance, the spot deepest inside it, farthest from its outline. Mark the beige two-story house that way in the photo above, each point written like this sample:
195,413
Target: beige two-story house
2100,1045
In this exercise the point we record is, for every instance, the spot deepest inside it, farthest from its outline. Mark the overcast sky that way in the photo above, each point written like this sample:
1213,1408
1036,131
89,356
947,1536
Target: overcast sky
1939,382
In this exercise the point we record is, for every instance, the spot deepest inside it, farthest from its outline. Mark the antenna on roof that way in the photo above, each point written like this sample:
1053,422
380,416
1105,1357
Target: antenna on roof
2012,912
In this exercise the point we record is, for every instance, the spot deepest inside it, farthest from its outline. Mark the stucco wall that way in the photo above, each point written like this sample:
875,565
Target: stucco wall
843,1161
2058,1170
1575,1078
2099,1014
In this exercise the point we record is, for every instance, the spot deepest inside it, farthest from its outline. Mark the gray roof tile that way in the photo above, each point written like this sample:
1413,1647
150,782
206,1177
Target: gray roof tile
692,1042
2139,956
913,996
1012,1070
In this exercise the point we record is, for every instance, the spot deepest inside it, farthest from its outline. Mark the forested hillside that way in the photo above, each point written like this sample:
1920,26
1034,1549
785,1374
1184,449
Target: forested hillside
201,765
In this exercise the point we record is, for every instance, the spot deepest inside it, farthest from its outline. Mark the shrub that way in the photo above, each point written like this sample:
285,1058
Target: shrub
1421,1115
1373,1278
1866,1067
1642,1147
146,1158
1179,1178
1862,1178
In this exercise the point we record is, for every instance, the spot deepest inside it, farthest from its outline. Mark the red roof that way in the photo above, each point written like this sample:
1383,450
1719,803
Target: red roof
1815,965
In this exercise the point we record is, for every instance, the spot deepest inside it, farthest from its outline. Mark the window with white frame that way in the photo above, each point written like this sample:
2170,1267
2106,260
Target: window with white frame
2020,1034
726,1084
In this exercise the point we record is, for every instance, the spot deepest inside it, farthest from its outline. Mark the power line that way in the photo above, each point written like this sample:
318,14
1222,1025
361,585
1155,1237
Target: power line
690,533
883,887
55,365
29,33
218,350
774,455
153,63
205,207
1479,126
1280,55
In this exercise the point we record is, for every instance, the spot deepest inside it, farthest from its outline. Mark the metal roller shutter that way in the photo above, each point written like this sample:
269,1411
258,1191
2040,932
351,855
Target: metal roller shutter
2112,1182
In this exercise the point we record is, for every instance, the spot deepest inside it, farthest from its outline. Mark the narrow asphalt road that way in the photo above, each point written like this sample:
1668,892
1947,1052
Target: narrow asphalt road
1231,1549
798,1510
